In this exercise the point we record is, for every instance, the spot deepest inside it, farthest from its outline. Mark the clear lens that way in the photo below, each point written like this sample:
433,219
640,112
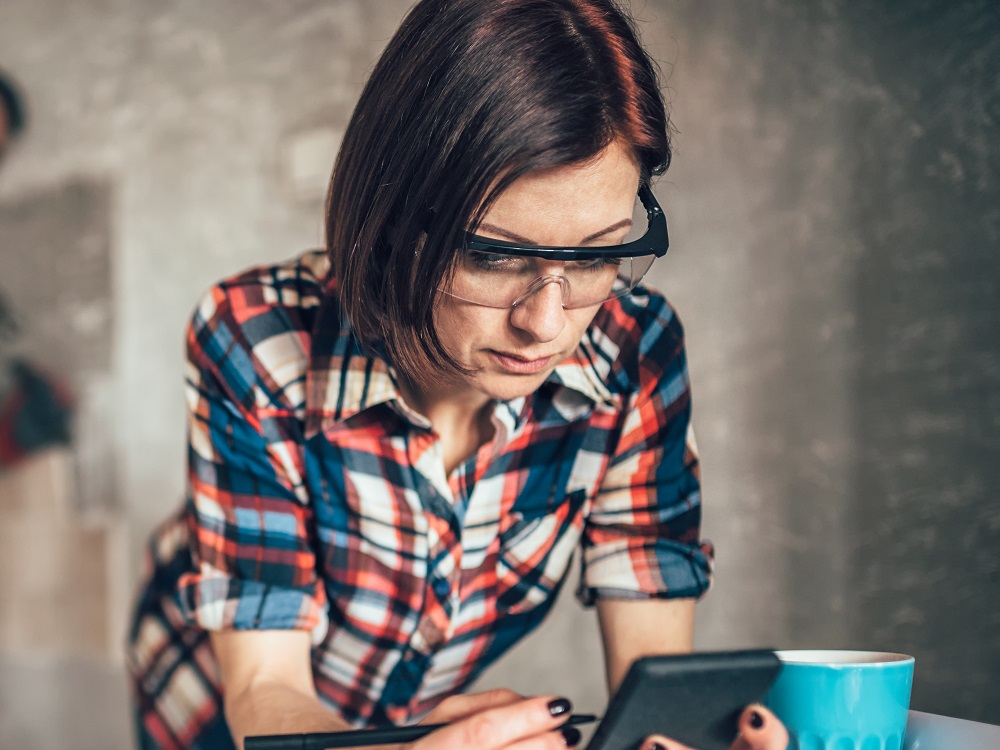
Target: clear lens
502,281
640,223
630,274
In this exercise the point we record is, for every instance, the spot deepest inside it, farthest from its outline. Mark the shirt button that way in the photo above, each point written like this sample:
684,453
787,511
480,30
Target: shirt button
441,587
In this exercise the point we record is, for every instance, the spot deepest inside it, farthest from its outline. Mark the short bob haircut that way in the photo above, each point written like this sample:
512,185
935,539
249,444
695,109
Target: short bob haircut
468,96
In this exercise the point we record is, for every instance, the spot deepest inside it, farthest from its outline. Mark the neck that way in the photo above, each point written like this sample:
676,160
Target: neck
460,419
444,402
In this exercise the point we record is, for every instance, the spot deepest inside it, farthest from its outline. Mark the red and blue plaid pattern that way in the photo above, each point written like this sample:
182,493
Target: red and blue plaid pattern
318,500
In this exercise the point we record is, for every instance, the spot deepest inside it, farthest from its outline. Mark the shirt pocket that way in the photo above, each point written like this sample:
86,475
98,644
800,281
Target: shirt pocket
536,548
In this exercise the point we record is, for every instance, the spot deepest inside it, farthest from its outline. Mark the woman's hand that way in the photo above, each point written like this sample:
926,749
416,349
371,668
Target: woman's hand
759,730
499,719
503,719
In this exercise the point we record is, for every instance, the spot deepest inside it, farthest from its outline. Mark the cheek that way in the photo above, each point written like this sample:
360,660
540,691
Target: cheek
464,327
579,320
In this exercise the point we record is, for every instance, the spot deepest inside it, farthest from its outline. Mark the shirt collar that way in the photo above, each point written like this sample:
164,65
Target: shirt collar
343,379
579,373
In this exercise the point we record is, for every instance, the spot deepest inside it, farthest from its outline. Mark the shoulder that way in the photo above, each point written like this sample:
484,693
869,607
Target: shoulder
251,332
641,338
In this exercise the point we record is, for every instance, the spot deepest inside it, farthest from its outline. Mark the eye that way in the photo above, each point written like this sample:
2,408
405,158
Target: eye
596,264
494,261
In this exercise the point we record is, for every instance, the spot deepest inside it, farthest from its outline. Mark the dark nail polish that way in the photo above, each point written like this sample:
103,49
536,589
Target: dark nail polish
756,720
560,706
656,746
571,736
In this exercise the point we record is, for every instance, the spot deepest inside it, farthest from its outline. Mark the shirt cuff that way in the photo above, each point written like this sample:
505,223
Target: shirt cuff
631,569
216,601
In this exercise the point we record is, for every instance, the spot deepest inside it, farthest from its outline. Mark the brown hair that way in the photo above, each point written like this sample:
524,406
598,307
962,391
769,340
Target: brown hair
468,96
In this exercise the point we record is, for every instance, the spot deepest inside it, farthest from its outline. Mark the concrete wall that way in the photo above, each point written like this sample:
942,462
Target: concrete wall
833,210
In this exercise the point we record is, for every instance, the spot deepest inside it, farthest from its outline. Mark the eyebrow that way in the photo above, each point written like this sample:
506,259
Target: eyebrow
624,223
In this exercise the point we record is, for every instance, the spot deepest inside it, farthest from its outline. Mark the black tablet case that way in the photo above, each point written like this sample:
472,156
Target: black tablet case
695,699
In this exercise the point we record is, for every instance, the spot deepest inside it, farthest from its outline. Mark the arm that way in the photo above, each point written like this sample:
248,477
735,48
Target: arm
269,690
631,629
253,584
268,684
644,564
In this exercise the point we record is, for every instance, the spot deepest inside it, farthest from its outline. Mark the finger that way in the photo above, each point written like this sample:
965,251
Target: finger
760,730
460,706
503,726
558,739
659,742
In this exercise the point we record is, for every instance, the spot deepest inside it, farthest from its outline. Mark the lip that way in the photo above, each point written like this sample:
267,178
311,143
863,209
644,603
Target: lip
520,365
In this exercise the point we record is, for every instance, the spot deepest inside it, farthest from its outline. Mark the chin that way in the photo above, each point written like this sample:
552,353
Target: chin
508,387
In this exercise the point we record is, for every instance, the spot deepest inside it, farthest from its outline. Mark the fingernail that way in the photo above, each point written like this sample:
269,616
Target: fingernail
756,720
560,706
571,736
656,746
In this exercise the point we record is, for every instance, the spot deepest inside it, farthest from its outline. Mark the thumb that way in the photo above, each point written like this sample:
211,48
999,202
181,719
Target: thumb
459,707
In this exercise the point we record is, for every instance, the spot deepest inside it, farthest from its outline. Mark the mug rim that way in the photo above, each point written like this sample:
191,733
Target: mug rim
842,658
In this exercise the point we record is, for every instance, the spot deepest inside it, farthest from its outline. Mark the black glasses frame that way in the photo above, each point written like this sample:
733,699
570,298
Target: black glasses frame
655,241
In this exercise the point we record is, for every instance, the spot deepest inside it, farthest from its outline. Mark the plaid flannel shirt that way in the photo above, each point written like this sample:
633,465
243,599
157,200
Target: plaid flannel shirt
318,500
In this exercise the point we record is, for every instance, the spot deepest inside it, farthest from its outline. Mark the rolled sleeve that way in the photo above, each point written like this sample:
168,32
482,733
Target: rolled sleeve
213,600
641,538
254,567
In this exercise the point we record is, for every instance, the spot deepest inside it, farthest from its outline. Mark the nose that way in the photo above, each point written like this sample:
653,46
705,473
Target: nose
541,315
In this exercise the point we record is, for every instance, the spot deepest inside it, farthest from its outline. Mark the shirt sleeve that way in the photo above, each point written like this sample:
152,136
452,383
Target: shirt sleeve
248,516
641,537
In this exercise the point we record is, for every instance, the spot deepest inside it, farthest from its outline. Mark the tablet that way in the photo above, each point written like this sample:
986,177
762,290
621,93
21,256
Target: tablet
695,699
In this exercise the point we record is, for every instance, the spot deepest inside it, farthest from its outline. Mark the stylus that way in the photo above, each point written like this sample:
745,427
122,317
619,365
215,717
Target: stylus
361,737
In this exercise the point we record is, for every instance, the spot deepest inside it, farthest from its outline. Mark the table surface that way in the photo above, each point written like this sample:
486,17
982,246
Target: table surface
933,732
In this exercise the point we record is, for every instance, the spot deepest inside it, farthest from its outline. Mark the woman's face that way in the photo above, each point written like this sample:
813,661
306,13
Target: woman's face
513,350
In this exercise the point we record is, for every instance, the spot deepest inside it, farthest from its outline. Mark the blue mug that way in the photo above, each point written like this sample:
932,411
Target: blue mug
842,700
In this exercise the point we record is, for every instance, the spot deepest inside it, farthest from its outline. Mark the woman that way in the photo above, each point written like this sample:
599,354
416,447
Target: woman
397,444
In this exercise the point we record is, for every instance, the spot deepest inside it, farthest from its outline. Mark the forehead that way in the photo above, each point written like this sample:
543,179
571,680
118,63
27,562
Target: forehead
583,196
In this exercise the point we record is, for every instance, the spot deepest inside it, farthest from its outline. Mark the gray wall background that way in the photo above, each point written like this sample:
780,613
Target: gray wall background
834,213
